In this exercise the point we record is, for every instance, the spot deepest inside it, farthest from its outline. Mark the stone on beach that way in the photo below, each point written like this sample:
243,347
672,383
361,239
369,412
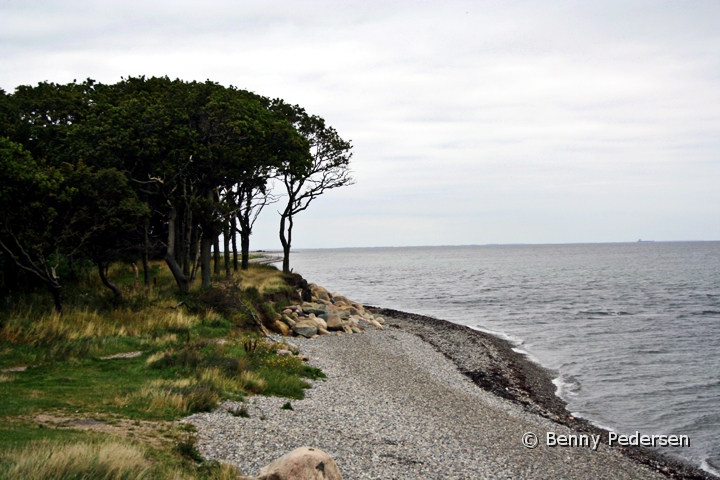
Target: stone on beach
337,314
306,328
319,292
405,400
281,328
318,321
315,310
334,322
304,463
290,322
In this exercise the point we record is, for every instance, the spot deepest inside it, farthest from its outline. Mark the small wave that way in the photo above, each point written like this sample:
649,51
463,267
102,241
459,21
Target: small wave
597,424
604,313
708,467
569,386
655,351
706,312
514,341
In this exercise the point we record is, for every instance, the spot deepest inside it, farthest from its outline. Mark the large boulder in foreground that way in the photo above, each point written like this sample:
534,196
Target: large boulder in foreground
304,463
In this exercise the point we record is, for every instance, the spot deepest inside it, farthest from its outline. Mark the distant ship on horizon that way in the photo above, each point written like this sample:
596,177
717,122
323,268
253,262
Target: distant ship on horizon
645,241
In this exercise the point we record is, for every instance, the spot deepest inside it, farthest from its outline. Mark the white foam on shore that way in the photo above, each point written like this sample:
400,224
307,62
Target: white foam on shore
560,387
530,357
514,341
596,424
563,389
704,465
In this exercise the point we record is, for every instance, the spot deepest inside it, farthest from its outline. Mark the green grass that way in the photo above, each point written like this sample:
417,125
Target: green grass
15,434
194,355
80,386
112,386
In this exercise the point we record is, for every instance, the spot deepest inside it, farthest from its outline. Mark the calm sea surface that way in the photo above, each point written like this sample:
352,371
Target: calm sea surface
633,330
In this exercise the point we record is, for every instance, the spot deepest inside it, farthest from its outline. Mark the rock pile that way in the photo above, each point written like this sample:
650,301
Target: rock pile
326,313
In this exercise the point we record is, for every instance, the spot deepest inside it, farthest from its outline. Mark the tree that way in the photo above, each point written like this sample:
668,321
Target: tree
106,216
304,181
141,127
115,169
34,219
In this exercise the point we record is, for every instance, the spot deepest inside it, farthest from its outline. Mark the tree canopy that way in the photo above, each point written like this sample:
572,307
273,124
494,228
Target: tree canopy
151,168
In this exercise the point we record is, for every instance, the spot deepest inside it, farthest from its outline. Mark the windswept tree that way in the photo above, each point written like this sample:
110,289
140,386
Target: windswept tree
328,167
106,216
113,172
283,145
33,225
142,126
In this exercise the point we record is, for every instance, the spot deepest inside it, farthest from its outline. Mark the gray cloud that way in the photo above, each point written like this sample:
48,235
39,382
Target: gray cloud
473,122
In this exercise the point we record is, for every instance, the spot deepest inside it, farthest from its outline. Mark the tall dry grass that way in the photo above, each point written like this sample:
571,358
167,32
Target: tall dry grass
262,277
143,312
81,331
195,394
110,459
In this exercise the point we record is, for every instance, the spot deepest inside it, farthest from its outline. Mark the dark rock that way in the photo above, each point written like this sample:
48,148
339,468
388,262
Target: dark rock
306,328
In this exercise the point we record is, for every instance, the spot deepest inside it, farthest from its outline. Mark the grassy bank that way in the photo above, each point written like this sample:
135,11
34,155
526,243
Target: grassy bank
94,393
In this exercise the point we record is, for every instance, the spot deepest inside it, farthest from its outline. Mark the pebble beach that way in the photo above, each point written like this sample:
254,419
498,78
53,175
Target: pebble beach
421,399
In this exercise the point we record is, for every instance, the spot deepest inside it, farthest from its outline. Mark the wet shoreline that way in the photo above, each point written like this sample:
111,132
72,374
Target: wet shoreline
491,364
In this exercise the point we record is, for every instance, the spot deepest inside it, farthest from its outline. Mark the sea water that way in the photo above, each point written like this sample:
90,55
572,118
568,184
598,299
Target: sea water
632,329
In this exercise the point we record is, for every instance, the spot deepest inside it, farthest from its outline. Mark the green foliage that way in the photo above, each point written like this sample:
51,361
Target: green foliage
98,159
239,411
94,178
187,447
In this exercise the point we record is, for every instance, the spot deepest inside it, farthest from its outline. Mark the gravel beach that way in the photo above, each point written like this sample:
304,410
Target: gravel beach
404,403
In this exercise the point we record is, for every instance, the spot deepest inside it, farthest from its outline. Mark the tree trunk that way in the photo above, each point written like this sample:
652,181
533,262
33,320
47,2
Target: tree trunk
205,259
194,252
234,242
177,251
102,268
226,244
285,239
245,229
135,275
187,257
72,274
244,242
145,261
216,254
55,292
245,251
177,272
196,261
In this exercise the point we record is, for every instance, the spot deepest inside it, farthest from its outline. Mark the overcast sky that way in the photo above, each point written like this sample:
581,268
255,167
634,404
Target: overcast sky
472,122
